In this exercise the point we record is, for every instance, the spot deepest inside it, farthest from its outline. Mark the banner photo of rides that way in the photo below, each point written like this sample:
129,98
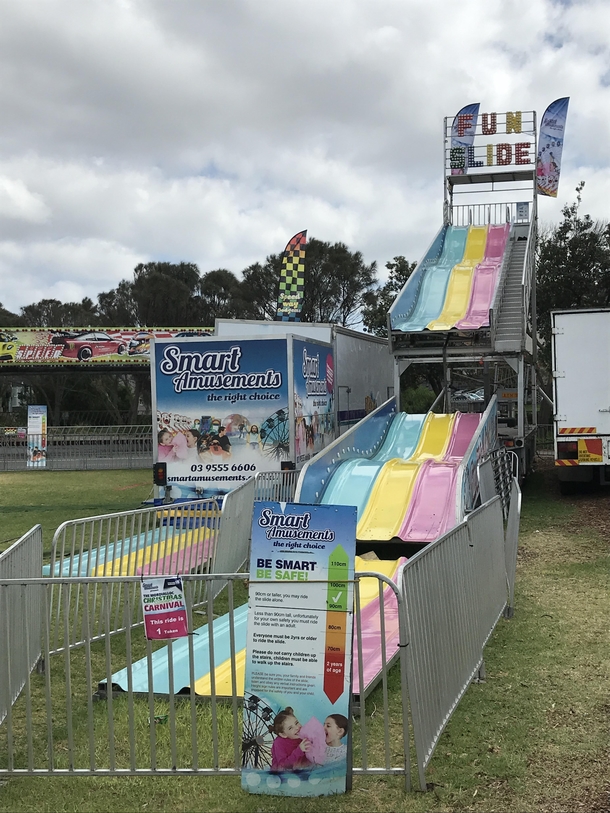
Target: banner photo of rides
59,346
37,436
222,411
314,402
550,147
296,712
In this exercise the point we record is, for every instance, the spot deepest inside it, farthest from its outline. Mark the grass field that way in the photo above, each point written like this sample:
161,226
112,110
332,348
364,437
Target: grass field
533,737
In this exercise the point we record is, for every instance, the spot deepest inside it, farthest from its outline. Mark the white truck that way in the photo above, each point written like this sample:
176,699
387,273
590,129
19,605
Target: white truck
581,383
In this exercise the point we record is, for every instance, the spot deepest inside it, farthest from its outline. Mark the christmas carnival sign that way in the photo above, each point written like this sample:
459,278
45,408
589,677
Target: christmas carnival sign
298,652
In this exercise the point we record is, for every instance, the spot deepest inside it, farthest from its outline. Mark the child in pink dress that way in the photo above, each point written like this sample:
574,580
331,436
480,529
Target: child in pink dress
289,751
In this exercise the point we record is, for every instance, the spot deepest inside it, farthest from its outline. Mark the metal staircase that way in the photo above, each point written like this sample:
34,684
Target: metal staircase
510,329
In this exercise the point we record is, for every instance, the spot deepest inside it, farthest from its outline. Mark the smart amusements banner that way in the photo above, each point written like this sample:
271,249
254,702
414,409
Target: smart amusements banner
222,411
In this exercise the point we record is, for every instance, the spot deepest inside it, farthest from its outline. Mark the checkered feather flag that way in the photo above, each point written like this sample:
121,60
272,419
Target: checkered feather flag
292,279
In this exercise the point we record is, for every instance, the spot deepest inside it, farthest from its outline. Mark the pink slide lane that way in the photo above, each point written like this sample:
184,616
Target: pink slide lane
484,280
370,619
180,561
431,510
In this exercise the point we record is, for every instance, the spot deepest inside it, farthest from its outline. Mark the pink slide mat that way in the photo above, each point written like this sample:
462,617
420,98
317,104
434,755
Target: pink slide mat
432,508
485,279
370,619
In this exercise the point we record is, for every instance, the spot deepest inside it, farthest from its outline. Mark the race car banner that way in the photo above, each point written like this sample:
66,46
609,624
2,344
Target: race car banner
292,279
58,347
550,147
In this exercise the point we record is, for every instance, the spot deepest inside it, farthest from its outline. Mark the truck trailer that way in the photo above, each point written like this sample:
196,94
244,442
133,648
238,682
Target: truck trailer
581,385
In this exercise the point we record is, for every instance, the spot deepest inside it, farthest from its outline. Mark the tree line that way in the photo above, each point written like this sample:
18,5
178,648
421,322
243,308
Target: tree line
573,271
339,288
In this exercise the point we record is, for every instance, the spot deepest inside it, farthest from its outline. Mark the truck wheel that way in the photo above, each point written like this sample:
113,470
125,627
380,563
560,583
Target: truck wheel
568,487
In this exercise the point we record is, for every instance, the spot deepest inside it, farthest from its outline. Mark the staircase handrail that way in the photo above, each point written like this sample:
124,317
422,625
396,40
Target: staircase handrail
498,300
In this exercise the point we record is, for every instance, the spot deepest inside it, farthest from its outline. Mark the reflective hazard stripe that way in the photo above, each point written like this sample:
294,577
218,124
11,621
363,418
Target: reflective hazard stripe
578,430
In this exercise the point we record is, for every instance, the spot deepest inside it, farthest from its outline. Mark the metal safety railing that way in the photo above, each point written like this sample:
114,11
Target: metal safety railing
151,720
455,592
432,624
81,447
21,614
160,540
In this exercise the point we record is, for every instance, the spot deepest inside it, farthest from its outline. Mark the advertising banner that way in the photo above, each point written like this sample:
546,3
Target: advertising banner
292,279
463,131
37,436
58,347
314,402
164,608
298,650
550,147
222,411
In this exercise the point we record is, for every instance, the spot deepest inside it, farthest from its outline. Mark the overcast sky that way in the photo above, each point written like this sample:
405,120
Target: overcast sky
213,130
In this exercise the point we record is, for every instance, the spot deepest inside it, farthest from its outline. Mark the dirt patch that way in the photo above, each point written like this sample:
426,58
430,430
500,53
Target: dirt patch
592,504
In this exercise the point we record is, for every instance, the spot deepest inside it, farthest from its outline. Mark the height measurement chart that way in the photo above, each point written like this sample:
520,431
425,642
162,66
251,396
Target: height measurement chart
298,651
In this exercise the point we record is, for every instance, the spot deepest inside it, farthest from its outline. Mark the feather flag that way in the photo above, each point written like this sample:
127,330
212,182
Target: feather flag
292,279
550,147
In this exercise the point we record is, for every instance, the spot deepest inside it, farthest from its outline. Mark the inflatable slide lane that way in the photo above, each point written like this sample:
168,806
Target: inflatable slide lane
454,285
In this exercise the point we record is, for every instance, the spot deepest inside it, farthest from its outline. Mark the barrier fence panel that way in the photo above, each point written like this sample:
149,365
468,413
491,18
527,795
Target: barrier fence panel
486,529
149,718
233,546
160,540
512,542
82,447
21,613
277,486
450,613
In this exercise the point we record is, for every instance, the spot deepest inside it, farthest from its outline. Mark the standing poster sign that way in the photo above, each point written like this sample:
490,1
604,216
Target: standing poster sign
298,651
164,608
37,436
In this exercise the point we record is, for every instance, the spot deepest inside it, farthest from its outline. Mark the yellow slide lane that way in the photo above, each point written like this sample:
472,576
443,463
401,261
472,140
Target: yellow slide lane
391,494
129,564
369,590
460,281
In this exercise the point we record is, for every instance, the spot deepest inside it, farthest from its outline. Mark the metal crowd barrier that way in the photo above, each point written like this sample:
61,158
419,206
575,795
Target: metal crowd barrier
160,540
75,447
454,591
447,603
512,542
21,613
61,726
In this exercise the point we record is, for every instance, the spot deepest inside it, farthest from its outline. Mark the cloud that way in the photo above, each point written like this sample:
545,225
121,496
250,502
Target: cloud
138,130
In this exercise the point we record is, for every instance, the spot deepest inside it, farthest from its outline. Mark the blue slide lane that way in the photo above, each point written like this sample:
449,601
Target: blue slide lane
180,647
352,482
433,288
363,440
